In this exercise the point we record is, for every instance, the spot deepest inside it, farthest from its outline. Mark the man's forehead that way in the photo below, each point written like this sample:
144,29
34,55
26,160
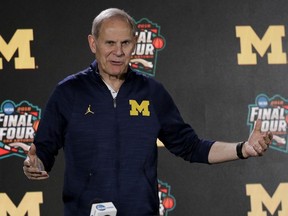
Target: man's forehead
110,27
115,21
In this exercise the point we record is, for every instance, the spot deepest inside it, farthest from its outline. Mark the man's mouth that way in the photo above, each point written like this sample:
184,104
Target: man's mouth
116,63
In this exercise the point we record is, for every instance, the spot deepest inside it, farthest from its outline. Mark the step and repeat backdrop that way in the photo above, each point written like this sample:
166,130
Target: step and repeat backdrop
224,63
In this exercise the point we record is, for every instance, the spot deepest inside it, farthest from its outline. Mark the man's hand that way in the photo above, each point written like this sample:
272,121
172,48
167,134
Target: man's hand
258,142
33,166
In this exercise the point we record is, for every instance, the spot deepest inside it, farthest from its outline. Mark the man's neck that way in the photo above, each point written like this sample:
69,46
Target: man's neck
114,82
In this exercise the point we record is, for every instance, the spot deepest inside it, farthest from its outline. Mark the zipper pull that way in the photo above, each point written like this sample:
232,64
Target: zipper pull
114,102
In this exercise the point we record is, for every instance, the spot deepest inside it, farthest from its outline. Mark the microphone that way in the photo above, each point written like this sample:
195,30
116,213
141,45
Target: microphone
103,209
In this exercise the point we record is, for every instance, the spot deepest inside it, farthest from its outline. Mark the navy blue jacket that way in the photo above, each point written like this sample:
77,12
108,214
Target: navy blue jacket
111,152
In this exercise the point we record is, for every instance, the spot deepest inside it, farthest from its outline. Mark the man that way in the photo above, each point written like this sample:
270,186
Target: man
107,119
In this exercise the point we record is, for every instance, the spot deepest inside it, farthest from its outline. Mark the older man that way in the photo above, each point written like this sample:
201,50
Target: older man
107,119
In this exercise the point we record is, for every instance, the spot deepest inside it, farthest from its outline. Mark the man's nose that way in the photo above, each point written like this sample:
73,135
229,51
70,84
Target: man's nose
119,50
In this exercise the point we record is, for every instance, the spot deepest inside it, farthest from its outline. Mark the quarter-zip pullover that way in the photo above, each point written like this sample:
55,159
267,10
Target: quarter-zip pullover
110,143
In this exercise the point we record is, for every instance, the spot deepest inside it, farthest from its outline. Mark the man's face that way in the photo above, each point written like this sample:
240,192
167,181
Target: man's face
113,47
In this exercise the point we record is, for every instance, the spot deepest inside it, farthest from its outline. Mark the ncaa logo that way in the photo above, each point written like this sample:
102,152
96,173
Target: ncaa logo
101,207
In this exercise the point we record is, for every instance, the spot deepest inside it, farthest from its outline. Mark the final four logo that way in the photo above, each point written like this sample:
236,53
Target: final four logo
167,201
274,115
18,124
149,42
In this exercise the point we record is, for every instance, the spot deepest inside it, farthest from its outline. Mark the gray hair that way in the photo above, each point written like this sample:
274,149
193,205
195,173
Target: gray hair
108,14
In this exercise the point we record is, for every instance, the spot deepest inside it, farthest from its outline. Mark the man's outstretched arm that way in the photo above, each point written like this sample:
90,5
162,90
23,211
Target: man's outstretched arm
256,145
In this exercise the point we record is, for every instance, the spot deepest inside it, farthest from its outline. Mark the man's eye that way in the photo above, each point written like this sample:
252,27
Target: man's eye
125,43
110,43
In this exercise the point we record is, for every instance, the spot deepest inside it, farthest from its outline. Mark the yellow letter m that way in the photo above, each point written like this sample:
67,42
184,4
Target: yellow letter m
272,38
21,41
259,197
142,108
30,204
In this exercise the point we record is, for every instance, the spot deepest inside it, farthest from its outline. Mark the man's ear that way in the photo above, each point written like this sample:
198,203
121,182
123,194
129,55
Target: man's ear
135,38
92,43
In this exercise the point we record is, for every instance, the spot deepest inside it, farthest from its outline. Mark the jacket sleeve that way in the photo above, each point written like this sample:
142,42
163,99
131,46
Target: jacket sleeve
50,135
178,136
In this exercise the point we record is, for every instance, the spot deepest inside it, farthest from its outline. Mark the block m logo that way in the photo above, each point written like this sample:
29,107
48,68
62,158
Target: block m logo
30,204
21,42
272,38
259,197
142,108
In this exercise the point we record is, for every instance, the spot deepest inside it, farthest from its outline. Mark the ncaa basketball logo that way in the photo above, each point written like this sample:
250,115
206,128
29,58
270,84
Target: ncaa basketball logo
166,199
149,42
18,125
274,115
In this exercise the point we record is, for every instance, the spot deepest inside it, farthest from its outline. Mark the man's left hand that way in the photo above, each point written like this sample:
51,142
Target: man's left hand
258,142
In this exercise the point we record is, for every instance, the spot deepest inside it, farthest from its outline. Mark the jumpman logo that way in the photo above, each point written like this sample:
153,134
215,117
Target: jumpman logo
89,110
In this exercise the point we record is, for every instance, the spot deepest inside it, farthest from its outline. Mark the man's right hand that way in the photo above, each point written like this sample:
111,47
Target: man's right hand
33,167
